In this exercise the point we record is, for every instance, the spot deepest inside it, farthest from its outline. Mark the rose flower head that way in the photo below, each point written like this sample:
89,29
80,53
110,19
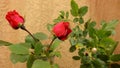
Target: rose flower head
14,19
62,30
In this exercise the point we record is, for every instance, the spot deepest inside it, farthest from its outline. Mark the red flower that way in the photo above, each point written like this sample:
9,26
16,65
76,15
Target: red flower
14,19
62,30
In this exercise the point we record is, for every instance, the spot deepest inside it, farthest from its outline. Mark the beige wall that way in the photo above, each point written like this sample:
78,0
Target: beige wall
40,12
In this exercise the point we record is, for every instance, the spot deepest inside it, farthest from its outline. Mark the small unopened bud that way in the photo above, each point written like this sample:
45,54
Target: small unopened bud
94,50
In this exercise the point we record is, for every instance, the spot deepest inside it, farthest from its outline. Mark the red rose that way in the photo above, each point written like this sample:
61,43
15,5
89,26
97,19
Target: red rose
62,30
14,19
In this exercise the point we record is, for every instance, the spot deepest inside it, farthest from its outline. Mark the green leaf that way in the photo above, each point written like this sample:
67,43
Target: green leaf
113,47
41,64
49,27
57,20
79,45
4,43
55,66
29,39
109,45
73,13
81,52
92,33
72,41
62,14
98,63
87,23
40,36
18,58
85,32
85,60
74,5
103,57
67,15
61,17
38,48
77,31
72,48
102,33
92,24
115,57
81,21
56,53
83,10
74,8
76,57
27,45
19,49
103,24
55,44
91,29
111,26
75,20
30,61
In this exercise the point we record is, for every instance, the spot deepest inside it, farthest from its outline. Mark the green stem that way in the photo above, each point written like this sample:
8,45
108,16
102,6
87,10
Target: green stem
51,61
51,58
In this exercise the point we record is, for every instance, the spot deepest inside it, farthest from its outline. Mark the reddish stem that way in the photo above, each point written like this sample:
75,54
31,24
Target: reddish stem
51,44
23,28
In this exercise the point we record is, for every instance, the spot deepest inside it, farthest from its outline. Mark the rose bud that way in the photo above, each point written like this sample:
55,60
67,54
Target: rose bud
14,19
62,30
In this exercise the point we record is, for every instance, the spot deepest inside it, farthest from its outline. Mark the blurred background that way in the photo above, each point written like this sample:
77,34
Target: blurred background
38,13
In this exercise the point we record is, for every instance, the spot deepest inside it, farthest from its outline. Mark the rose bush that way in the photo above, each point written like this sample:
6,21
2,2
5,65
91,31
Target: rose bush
94,45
